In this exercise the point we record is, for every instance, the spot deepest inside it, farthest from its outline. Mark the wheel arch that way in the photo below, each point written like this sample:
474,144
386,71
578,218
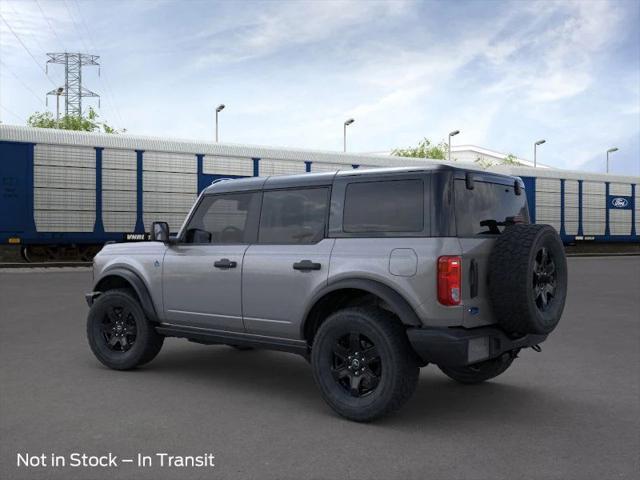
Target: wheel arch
337,295
124,278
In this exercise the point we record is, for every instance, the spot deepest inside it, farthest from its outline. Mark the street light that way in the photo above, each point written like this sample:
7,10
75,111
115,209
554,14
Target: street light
535,152
344,135
611,150
58,93
218,110
452,134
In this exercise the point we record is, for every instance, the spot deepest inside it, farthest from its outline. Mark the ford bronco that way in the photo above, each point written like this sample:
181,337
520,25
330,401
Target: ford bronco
369,274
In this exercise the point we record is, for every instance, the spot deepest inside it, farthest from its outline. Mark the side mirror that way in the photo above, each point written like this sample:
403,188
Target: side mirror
160,232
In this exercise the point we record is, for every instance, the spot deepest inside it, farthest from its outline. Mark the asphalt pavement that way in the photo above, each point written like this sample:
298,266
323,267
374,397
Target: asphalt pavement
569,412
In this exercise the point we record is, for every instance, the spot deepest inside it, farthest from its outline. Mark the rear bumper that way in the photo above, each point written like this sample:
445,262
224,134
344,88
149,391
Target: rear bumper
454,347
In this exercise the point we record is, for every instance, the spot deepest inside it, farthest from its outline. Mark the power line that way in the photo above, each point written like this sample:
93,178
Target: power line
27,49
84,24
23,83
50,25
22,23
75,25
9,111
110,96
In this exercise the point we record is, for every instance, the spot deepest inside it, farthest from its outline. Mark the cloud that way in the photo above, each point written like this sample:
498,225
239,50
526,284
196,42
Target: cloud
266,28
291,72
555,62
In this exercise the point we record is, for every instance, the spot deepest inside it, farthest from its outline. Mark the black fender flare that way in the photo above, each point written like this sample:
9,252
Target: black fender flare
138,285
396,302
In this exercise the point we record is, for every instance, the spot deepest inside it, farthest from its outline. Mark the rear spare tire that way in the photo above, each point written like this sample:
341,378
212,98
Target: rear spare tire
528,279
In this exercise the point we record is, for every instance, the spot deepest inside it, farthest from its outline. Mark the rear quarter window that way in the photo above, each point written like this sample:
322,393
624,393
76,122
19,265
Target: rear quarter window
388,206
476,209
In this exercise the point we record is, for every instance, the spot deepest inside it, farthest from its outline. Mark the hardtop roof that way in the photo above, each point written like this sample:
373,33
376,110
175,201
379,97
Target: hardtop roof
327,178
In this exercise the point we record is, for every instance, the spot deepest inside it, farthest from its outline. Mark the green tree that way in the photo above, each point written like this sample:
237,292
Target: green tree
425,149
510,159
485,162
88,123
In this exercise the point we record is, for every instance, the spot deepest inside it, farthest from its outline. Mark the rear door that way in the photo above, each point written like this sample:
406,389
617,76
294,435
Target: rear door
480,215
289,263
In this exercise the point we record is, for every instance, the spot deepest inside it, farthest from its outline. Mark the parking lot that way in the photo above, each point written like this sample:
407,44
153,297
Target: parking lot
571,411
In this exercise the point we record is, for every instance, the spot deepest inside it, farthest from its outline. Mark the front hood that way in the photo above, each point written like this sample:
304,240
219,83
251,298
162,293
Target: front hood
133,248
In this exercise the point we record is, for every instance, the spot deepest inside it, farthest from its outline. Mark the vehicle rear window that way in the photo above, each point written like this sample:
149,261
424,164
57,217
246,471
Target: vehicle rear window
295,216
483,209
384,206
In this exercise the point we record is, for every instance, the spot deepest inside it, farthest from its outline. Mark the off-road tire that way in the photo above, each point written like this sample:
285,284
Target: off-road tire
146,344
398,365
479,372
515,273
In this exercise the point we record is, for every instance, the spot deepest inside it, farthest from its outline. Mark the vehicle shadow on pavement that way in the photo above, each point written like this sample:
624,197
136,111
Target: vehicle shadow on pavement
437,400
258,372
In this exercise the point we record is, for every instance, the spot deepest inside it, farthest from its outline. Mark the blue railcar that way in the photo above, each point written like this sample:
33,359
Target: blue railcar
582,206
66,193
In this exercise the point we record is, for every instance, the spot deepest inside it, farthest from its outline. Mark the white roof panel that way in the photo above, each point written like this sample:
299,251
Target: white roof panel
130,142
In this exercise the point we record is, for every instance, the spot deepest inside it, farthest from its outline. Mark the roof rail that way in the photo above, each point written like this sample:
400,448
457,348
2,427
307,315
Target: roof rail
218,180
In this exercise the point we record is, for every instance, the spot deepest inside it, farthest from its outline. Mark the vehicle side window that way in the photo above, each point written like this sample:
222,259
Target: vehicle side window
384,206
224,219
295,216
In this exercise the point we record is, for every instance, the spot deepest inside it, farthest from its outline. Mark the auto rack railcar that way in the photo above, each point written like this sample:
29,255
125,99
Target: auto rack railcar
66,193
582,206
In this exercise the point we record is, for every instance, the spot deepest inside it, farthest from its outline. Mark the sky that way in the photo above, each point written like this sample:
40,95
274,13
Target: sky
290,73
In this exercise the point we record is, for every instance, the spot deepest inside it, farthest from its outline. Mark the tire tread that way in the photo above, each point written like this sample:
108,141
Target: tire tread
406,371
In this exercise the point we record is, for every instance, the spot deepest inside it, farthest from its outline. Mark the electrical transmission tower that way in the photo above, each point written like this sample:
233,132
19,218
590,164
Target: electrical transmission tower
73,91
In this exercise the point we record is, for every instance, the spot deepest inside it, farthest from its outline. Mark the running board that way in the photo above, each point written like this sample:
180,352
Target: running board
216,337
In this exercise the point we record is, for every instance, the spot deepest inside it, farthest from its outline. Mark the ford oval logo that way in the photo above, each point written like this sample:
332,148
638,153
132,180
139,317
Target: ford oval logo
619,202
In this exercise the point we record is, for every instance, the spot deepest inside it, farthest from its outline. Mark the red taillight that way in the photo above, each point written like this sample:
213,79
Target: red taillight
449,280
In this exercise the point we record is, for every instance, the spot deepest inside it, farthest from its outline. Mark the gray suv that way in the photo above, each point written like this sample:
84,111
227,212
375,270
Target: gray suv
368,274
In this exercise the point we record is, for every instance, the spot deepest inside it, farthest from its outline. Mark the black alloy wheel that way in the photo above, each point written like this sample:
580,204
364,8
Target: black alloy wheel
356,364
544,279
119,328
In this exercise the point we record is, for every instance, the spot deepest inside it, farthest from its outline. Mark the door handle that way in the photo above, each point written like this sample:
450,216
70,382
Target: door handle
306,265
225,263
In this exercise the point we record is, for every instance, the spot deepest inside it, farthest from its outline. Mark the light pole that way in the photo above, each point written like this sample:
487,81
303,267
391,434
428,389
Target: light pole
452,134
218,110
535,152
344,133
58,93
611,150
